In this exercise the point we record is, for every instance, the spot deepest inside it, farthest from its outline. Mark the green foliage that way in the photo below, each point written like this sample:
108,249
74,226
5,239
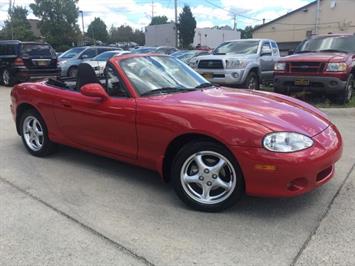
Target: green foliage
58,21
97,30
126,34
159,20
246,33
17,26
187,26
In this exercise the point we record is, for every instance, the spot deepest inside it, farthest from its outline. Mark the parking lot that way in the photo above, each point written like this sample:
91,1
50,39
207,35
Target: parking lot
75,208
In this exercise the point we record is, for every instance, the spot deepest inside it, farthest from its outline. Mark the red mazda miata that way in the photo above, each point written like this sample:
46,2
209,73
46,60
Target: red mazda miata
212,143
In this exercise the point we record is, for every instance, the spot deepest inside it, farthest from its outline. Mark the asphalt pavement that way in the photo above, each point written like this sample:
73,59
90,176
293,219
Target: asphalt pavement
75,208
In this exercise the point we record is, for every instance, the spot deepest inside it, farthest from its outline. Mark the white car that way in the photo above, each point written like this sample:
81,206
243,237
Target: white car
98,63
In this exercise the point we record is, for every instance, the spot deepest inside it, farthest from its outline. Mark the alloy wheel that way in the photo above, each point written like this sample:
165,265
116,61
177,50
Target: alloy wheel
33,133
208,177
6,77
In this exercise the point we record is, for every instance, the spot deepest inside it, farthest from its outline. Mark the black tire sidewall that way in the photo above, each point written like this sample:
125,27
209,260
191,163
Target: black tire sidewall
250,75
342,98
72,68
48,146
185,152
10,77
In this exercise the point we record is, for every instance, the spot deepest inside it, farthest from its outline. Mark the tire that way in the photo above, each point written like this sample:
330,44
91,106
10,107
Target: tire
73,72
34,134
346,95
252,81
200,180
7,78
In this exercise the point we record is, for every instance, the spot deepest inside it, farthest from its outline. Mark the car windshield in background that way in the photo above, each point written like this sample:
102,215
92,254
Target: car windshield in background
344,44
187,55
159,74
143,50
242,47
37,50
72,52
104,56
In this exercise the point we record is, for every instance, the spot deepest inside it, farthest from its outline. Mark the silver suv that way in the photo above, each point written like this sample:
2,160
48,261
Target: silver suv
246,63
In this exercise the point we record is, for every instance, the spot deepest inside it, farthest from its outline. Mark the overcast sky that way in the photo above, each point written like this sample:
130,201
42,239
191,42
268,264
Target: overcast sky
208,13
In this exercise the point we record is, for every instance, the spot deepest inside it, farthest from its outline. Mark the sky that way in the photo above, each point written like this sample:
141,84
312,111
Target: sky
208,13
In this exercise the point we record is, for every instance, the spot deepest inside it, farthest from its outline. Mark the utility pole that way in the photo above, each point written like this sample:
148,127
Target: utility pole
176,25
152,9
11,4
316,29
234,22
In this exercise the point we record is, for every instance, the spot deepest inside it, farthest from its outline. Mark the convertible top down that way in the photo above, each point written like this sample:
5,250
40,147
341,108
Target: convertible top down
212,143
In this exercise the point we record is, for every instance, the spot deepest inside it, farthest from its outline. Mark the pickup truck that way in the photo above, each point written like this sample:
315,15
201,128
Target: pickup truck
323,64
243,63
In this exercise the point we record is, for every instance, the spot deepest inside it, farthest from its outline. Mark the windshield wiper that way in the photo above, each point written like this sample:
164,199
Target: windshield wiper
333,50
166,90
304,51
204,85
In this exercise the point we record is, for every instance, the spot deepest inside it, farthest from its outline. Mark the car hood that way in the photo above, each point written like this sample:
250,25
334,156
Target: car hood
316,57
273,111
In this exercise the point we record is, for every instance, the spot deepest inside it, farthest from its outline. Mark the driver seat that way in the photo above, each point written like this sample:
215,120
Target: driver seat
86,75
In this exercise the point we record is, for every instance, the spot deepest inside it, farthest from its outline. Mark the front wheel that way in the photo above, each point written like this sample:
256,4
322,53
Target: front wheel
252,81
206,176
34,134
346,95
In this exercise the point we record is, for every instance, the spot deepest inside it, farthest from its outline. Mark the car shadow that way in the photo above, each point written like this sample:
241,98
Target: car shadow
260,208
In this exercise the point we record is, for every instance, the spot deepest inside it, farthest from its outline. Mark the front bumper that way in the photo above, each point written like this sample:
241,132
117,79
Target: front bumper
272,174
223,76
329,85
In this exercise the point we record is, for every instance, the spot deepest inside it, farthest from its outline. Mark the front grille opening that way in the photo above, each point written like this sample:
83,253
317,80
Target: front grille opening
324,174
210,64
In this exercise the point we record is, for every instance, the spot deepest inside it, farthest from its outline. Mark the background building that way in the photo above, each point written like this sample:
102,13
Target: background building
335,16
212,37
161,35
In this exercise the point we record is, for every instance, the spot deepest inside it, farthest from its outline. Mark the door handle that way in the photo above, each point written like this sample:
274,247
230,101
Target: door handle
65,103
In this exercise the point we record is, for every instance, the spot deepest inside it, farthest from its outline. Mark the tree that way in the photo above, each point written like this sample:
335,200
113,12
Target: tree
98,30
246,33
159,20
17,26
187,26
126,34
58,21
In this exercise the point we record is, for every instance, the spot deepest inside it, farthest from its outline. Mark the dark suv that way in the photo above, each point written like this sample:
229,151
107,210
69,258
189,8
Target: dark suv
23,61
324,64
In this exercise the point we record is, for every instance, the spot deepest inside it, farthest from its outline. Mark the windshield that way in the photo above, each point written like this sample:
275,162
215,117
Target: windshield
72,52
150,73
143,50
37,50
241,47
104,56
332,43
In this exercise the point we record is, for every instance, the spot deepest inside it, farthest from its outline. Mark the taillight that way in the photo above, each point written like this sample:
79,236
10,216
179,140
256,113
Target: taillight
19,62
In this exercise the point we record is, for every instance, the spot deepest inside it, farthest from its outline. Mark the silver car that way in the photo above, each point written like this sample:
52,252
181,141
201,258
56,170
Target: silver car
69,61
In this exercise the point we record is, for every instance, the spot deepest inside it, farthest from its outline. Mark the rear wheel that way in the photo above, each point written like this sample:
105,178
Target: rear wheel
206,176
6,77
252,81
346,95
34,134
73,72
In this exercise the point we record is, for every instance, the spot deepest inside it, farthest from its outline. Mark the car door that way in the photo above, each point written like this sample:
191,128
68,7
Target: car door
107,126
266,61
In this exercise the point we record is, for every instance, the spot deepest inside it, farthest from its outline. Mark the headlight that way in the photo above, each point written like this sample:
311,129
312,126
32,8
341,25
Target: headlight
286,142
336,67
236,64
280,67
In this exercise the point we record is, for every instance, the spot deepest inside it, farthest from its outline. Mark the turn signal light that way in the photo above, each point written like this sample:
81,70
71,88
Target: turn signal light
265,167
19,62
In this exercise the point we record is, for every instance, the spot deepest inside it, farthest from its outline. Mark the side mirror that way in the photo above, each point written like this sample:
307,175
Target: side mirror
291,52
94,90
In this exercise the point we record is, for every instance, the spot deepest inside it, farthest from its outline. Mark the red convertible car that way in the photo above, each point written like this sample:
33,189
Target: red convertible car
212,143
